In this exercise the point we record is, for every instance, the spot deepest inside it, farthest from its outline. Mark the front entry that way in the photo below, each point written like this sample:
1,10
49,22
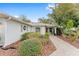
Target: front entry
57,31
50,30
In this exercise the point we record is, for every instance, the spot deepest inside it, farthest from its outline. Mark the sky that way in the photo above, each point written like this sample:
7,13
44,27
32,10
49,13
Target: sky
33,11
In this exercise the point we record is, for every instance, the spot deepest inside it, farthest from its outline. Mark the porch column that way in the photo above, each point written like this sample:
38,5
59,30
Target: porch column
55,30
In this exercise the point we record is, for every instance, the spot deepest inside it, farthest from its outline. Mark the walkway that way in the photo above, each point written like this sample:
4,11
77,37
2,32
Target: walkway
63,48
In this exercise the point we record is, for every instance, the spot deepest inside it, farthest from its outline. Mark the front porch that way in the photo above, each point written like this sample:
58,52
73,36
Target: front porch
54,30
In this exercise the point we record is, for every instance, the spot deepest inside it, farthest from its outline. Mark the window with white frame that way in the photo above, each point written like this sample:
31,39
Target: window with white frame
23,28
37,29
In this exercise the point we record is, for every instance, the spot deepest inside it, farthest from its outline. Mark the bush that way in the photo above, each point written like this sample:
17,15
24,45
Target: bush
69,24
30,35
25,36
34,35
66,32
72,36
44,38
30,47
47,35
77,34
44,41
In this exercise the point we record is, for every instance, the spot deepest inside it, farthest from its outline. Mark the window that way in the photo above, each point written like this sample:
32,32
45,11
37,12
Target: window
24,27
37,29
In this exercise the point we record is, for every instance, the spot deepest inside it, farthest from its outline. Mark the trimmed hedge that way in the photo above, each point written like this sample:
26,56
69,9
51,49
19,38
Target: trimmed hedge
30,47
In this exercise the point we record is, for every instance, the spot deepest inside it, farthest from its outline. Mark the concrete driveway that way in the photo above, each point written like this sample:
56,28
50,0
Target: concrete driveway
63,48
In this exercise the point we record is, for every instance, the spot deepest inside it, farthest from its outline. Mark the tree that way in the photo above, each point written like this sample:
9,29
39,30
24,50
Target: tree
24,18
43,20
48,20
64,11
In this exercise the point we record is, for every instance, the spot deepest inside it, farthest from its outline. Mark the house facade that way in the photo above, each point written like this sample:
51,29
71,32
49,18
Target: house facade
12,28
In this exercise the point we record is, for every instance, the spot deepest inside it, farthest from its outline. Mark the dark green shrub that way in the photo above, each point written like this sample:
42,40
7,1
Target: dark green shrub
25,36
30,47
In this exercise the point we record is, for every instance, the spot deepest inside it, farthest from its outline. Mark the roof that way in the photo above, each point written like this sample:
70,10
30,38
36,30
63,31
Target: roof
41,24
5,16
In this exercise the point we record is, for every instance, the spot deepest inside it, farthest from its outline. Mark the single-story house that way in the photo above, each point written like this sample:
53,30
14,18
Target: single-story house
12,28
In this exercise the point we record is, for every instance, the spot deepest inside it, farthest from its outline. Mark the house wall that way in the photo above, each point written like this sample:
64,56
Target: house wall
32,29
13,32
2,31
42,30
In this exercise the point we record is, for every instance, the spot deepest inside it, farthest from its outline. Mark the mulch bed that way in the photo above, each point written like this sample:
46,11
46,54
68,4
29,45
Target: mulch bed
48,49
75,43
9,52
13,51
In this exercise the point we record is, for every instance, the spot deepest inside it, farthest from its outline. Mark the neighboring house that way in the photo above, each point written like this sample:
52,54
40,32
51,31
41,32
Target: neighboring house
12,28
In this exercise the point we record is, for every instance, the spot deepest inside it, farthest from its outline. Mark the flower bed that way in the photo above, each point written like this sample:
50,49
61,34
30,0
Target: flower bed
47,50
48,47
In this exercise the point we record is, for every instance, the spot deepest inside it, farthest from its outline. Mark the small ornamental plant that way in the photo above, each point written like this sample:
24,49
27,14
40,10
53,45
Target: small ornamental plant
30,47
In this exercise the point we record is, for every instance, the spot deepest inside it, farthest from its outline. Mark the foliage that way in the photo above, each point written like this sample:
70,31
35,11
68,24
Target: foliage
77,33
30,35
43,20
30,47
72,36
47,35
34,35
64,11
69,24
66,32
25,36
48,20
24,18
44,39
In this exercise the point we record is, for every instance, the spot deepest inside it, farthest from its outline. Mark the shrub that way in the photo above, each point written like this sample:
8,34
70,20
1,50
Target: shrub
47,35
30,35
44,41
34,35
44,38
66,32
72,36
69,24
77,34
25,36
31,47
